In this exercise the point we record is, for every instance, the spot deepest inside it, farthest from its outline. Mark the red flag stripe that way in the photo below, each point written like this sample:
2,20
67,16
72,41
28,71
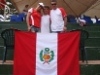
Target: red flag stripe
68,49
24,62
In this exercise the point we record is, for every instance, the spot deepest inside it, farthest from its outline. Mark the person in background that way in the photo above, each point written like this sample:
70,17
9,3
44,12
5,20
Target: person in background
25,10
33,18
81,21
45,20
58,18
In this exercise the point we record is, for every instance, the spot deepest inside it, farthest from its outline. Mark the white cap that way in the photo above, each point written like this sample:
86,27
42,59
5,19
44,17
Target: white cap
41,4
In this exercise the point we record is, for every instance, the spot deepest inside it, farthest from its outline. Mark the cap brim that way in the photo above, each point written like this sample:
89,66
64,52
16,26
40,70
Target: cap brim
41,4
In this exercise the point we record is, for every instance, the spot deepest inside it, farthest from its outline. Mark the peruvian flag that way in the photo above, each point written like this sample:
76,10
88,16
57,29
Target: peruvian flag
46,54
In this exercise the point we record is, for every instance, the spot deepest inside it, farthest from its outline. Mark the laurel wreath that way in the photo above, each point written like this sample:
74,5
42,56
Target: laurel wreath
41,56
52,56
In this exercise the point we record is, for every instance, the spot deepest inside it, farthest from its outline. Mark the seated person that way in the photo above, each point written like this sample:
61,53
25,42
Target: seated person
97,21
81,22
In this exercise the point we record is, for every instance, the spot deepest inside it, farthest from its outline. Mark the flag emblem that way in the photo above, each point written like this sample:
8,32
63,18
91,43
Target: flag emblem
46,55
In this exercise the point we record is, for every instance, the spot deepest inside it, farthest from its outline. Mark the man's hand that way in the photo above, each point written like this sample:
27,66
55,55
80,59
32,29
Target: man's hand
29,28
65,28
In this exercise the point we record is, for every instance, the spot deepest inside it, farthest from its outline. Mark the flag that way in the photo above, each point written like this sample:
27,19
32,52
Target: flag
46,54
2,4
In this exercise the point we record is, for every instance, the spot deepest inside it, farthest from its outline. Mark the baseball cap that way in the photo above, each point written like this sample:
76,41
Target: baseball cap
41,4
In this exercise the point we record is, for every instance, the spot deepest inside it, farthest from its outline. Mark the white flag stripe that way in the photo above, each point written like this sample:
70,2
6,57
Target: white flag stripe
47,41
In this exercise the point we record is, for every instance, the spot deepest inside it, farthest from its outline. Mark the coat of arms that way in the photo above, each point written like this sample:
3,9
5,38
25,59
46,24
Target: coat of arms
46,55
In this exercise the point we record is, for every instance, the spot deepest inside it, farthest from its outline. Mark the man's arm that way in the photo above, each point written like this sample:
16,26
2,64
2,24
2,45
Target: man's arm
27,20
64,15
65,23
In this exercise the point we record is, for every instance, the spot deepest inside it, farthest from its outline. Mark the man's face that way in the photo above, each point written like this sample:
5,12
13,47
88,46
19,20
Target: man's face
54,5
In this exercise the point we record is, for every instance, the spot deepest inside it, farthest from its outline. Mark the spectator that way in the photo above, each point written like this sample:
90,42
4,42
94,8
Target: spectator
25,10
97,21
45,20
81,22
58,18
33,18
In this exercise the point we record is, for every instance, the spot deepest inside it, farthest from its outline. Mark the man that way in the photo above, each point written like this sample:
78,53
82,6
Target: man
33,18
58,18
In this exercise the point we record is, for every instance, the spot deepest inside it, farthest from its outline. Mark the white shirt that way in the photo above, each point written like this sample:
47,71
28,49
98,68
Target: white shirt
57,22
45,24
